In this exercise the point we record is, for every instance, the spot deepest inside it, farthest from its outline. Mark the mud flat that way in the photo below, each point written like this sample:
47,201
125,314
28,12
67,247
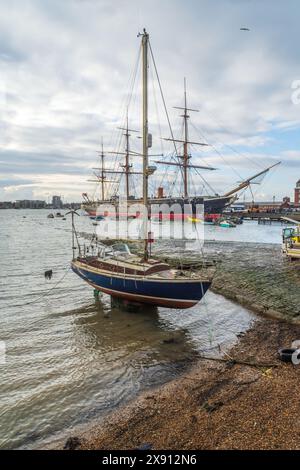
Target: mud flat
255,275
258,277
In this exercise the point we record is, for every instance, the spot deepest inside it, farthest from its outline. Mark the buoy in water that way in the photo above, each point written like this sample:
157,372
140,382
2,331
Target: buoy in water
48,274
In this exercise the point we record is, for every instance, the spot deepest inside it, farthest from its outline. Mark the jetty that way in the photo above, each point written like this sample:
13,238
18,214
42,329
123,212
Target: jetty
270,216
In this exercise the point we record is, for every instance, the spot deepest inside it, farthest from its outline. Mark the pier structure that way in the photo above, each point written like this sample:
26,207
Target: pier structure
263,217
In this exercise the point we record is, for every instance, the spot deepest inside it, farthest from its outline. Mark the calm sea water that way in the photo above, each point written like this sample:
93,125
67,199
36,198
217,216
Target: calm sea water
70,359
249,231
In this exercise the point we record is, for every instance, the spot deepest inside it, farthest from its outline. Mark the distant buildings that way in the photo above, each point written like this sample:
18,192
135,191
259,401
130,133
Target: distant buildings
286,205
57,202
37,204
29,204
264,206
6,205
270,206
23,204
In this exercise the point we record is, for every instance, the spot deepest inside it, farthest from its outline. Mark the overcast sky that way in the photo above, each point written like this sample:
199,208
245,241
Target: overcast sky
65,68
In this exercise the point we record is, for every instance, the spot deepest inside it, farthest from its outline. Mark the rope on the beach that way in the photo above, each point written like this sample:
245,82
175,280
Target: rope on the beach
45,294
234,361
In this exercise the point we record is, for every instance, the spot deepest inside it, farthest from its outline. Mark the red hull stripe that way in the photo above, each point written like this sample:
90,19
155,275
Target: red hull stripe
92,213
159,301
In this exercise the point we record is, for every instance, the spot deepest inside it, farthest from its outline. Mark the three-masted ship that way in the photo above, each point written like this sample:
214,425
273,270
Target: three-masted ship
213,205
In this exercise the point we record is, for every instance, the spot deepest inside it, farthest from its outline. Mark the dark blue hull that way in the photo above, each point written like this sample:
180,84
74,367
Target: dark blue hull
172,293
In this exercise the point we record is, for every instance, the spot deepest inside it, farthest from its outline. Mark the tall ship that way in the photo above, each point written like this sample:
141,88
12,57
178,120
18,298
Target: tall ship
179,193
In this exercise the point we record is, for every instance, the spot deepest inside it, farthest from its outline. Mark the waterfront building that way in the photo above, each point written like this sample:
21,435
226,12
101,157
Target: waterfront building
57,202
6,205
29,204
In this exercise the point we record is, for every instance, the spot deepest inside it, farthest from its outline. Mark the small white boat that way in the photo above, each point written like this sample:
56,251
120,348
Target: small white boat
227,224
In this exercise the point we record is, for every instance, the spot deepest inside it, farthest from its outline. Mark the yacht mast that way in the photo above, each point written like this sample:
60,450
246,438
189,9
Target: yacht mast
185,145
145,43
127,166
102,171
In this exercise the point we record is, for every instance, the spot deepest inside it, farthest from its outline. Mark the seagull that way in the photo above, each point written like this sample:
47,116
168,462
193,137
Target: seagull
244,29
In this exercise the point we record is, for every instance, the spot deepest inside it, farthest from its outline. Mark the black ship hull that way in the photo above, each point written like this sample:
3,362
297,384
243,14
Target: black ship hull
213,206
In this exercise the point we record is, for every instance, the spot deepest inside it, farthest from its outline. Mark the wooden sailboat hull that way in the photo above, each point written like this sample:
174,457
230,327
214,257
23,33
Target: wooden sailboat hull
171,293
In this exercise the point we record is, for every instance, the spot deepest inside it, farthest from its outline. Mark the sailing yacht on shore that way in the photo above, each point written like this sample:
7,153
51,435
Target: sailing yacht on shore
134,279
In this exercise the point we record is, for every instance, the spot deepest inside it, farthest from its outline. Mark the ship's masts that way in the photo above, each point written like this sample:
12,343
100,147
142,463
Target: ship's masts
145,39
185,145
127,165
102,172
184,163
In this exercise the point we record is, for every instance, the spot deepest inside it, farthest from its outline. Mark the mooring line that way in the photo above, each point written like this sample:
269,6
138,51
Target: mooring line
47,292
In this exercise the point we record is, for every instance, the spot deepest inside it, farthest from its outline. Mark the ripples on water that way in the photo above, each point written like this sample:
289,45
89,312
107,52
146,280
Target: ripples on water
69,358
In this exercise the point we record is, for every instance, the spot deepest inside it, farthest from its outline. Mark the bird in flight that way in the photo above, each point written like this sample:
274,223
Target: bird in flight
244,29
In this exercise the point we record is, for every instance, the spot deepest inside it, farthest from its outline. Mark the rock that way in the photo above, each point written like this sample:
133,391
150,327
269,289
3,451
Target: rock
149,397
210,407
72,443
169,340
146,446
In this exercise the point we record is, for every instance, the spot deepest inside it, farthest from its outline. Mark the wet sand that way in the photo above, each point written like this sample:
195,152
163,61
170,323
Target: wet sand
258,277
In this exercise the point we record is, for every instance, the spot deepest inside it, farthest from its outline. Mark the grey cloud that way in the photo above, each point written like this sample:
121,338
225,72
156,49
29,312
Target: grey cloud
14,182
67,67
38,163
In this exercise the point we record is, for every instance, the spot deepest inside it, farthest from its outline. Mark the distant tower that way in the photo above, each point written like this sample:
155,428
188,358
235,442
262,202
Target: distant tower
297,193
57,202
